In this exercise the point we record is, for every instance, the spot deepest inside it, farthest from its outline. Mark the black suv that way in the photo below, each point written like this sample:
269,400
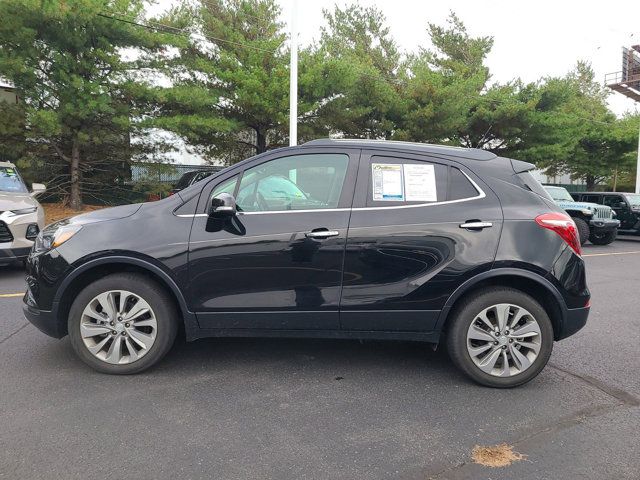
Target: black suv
332,239
626,206
192,177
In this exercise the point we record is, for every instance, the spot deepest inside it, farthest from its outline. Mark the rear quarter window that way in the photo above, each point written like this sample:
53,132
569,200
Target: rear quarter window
531,184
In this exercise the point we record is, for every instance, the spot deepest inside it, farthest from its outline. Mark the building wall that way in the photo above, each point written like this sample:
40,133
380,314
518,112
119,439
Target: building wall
8,95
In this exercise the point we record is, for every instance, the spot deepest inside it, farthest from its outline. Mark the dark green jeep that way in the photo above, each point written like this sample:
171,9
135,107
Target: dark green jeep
626,206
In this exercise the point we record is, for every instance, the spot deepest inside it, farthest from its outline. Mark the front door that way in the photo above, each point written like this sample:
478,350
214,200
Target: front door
623,211
406,250
278,263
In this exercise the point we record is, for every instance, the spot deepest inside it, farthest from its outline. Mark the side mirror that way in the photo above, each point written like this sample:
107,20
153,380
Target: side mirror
223,206
622,205
37,189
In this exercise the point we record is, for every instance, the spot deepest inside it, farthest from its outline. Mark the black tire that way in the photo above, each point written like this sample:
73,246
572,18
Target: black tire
583,229
465,314
603,238
162,305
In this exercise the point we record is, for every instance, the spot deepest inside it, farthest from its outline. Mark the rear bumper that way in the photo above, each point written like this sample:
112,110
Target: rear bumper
10,255
604,225
574,320
43,320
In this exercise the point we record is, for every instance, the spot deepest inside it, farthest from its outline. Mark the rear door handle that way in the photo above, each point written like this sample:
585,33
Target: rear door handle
476,225
324,233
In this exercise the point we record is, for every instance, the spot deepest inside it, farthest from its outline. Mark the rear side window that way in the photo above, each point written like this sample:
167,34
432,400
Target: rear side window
531,184
394,181
459,186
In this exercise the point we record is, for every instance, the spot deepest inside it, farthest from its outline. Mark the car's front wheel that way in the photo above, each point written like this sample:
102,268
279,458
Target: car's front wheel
122,323
500,337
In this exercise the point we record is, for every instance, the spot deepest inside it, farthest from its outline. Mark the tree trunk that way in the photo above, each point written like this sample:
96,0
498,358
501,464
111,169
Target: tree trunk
75,198
591,183
261,140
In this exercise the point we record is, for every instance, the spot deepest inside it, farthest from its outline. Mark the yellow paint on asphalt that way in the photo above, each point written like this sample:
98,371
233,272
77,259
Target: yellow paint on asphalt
10,295
612,253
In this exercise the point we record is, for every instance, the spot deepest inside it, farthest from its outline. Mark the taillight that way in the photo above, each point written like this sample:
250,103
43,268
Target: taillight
563,226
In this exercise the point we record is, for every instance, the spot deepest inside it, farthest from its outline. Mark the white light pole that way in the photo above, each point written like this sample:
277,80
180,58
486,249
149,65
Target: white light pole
293,77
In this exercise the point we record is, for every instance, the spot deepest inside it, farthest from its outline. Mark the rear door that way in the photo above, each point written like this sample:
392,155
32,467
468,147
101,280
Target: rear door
278,263
407,249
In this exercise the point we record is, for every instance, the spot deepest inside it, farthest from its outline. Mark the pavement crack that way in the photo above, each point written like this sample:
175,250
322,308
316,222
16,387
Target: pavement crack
15,332
626,398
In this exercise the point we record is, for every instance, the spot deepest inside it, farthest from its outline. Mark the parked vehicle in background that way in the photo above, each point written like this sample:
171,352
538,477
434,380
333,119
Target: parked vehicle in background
626,206
21,216
192,177
595,222
334,239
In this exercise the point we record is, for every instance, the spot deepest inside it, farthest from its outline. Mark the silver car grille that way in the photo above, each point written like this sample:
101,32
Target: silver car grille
603,212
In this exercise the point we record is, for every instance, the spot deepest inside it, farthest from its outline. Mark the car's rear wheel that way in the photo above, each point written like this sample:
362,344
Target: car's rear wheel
500,337
603,238
583,229
122,323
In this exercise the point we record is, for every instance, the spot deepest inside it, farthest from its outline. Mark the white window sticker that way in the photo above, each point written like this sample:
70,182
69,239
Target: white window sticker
387,182
420,183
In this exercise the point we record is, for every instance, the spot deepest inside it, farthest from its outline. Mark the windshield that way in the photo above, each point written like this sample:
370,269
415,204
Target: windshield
559,194
633,199
10,181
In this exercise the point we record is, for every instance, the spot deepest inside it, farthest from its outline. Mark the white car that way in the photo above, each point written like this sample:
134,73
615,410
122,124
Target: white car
21,216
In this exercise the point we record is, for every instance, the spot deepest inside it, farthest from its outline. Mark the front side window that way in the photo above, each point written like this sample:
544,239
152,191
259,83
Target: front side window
10,181
612,200
298,182
633,199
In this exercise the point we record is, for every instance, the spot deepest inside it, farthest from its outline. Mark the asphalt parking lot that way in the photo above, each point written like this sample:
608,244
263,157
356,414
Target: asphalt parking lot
295,409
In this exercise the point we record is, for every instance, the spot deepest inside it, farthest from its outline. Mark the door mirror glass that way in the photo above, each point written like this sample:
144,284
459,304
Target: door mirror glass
622,205
223,205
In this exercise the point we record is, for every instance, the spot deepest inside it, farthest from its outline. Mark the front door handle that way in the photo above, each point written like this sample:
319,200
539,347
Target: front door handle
476,225
322,233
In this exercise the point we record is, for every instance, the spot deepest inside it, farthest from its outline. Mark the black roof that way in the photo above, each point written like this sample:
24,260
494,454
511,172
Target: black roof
470,153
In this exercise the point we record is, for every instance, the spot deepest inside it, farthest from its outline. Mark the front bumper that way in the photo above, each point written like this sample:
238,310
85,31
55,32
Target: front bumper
10,255
604,225
43,320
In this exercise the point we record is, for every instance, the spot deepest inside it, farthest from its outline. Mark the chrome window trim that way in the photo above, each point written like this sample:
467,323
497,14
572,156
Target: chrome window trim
480,195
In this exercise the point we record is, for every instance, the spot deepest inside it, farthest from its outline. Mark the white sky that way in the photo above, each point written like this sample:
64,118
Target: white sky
532,39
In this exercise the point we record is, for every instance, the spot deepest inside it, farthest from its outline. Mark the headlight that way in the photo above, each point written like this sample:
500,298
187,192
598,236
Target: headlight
586,211
54,237
23,211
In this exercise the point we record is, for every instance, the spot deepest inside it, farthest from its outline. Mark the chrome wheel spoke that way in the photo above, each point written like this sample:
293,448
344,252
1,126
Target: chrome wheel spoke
531,346
114,354
88,330
141,339
530,329
510,346
98,346
502,313
130,330
475,351
476,333
133,354
489,362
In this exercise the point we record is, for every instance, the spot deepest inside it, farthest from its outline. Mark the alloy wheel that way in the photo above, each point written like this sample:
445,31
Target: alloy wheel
118,327
504,340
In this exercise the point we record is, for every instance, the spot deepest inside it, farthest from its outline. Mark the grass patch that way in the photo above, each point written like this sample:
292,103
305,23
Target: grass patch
495,456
